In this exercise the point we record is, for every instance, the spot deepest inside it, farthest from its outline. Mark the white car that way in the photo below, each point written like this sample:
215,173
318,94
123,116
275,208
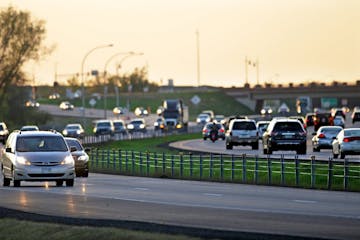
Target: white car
66,106
347,142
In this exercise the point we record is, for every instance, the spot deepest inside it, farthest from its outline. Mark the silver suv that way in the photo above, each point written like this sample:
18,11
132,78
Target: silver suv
37,156
242,132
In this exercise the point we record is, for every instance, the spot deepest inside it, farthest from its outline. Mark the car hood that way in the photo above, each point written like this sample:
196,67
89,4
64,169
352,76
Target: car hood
44,156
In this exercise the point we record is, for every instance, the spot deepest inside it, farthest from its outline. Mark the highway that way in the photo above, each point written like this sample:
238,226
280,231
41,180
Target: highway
221,206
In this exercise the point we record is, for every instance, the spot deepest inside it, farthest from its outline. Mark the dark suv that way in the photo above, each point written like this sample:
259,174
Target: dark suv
322,119
284,134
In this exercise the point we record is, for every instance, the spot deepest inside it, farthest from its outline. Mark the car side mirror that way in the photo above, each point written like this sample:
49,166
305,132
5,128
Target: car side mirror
87,150
72,149
8,150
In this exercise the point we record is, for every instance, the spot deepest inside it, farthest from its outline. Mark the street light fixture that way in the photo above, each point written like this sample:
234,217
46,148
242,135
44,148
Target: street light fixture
82,75
128,54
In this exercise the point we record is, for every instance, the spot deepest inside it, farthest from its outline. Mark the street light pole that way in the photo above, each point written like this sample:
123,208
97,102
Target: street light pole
128,54
82,76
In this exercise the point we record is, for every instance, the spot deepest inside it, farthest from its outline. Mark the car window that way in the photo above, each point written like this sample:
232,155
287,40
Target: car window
74,143
331,131
244,126
352,132
40,144
103,124
287,126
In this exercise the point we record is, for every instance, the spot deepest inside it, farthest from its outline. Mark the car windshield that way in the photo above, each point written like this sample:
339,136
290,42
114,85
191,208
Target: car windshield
40,144
137,122
1,128
74,143
103,124
331,131
288,127
74,127
244,126
118,124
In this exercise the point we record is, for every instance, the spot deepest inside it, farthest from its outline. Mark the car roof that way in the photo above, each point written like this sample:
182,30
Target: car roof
39,133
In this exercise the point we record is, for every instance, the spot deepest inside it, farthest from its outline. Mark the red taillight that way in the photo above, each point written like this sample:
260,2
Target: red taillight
321,135
205,131
221,130
350,139
347,140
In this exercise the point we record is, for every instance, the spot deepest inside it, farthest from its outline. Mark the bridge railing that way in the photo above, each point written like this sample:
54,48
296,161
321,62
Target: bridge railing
302,173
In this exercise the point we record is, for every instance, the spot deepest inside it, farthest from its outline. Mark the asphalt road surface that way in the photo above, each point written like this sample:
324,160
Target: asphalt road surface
221,206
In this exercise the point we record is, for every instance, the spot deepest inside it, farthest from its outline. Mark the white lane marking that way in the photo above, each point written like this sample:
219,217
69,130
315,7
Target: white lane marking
213,194
141,189
304,201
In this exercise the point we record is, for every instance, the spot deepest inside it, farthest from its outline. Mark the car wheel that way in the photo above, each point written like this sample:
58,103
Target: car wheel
229,146
342,155
335,155
255,146
204,138
6,181
269,151
17,183
316,149
59,183
264,151
85,174
70,182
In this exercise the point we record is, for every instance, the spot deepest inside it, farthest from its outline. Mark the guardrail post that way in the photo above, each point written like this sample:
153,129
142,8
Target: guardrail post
97,157
181,165
132,163
191,165
147,164
221,168
108,158
313,172
282,170
269,169
120,160
102,158
232,167
256,169
201,166
114,159
172,165
141,164
163,163
330,173
346,174
297,171
126,161
211,166
156,162
244,168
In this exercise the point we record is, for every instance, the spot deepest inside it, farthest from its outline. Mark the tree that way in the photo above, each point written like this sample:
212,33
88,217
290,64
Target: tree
21,40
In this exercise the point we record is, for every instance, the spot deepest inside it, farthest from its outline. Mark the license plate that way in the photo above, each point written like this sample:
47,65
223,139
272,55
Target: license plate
46,170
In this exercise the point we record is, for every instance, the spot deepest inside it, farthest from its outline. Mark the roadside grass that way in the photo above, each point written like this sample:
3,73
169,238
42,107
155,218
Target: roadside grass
216,100
152,158
28,230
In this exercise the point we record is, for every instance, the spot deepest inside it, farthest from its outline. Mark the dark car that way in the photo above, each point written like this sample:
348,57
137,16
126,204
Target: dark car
284,134
137,125
73,130
323,138
208,127
160,124
119,126
338,112
322,119
355,116
80,156
4,132
104,127
309,119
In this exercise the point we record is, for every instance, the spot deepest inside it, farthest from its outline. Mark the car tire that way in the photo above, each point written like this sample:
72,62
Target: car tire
264,151
204,138
70,182
301,150
229,146
342,155
269,151
17,183
85,174
255,146
59,183
335,155
316,149
6,181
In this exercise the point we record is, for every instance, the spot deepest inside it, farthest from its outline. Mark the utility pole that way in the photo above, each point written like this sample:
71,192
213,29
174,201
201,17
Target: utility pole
257,71
198,57
246,71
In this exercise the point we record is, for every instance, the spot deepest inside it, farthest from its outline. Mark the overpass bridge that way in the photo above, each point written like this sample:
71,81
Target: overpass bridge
348,95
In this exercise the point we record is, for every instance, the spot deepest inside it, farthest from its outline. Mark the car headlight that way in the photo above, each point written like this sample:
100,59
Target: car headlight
65,132
156,124
130,126
83,158
78,132
23,161
142,126
145,112
94,130
69,160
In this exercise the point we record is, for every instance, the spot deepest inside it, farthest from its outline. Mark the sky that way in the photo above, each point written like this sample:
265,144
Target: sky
294,41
